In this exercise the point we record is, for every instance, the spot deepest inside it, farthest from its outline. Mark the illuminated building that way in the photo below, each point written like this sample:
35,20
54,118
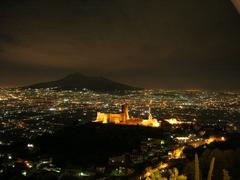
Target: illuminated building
114,118
174,121
123,118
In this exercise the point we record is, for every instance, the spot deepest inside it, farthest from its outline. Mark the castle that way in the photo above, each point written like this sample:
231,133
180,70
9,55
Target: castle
123,118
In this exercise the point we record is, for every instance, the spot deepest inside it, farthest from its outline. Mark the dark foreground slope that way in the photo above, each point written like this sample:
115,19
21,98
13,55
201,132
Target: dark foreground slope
92,144
78,81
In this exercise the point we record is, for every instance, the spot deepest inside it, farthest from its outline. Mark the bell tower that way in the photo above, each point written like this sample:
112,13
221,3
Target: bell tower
125,112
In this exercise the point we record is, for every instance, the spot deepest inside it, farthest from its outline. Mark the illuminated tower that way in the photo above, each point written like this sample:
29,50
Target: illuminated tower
125,112
150,117
149,114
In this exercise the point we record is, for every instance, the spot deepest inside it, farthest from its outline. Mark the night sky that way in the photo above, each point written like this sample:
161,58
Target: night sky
173,44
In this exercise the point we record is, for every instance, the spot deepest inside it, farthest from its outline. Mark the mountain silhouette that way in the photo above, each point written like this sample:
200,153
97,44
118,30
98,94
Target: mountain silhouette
78,81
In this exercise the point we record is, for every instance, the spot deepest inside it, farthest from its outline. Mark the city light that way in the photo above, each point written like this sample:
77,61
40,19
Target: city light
34,113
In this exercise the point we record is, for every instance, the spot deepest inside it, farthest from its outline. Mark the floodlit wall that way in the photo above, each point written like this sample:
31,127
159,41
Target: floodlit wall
110,118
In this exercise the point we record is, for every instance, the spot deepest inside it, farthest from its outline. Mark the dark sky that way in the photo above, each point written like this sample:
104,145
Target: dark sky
146,43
